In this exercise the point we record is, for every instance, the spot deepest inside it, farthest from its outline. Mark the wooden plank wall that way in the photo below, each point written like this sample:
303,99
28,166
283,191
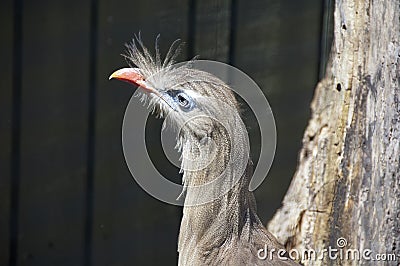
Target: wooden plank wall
66,195
53,144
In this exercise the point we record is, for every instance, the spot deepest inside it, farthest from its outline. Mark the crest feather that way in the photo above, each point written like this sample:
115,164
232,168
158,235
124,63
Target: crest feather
138,55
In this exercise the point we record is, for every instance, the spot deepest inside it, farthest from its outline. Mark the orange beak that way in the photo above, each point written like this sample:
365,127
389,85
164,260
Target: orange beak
133,76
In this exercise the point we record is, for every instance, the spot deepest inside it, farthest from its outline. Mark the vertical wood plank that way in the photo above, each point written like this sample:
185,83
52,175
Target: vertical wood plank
130,227
277,45
53,132
6,55
212,29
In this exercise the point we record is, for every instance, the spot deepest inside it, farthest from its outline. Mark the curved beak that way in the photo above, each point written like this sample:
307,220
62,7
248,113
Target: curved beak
133,76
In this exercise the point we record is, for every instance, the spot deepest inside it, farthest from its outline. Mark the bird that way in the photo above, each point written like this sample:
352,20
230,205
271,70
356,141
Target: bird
220,225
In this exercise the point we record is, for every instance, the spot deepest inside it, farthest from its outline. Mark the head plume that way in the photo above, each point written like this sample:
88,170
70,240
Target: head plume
137,54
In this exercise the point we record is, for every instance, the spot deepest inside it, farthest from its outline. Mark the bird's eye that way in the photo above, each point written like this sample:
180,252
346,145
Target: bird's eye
184,100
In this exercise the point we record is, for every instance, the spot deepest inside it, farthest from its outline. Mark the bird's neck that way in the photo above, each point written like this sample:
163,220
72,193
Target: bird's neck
218,204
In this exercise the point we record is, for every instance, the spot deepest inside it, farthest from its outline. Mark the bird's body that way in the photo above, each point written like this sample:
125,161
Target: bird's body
219,224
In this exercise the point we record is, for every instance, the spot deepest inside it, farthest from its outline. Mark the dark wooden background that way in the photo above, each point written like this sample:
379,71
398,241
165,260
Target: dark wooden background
66,195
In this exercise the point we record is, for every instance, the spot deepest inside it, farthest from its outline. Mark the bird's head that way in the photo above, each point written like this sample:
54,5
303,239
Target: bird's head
193,101
202,109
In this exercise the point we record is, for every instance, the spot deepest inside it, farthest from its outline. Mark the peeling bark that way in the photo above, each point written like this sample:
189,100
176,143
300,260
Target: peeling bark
347,183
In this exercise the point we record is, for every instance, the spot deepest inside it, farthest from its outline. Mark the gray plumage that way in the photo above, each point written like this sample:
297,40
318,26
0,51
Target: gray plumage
222,229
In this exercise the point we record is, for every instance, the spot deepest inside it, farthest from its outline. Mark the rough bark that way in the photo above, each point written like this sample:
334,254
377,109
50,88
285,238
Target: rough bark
347,183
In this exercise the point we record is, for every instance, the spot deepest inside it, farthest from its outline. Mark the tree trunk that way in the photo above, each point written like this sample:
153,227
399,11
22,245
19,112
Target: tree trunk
347,184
